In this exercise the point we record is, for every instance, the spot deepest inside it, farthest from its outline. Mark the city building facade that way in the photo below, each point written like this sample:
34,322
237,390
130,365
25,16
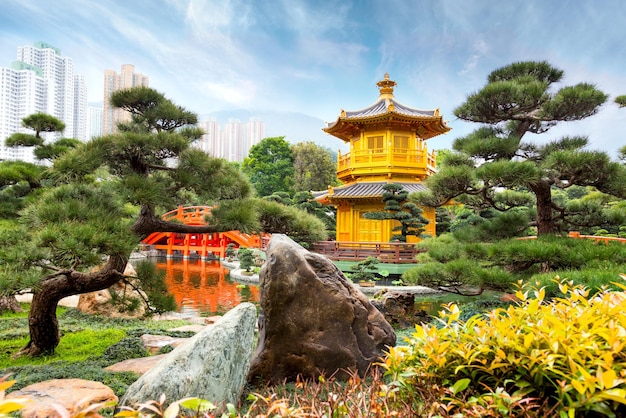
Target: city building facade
94,121
113,81
233,141
40,80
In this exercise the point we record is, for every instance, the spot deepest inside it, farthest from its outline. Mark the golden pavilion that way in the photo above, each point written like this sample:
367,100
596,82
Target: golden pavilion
387,145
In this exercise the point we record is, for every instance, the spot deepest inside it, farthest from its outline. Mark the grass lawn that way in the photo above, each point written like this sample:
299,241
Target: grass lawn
88,344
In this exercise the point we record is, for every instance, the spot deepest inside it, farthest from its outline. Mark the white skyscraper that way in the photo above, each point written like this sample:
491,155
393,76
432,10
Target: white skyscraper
233,140
255,132
81,110
22,92
41,80
211,140
94,122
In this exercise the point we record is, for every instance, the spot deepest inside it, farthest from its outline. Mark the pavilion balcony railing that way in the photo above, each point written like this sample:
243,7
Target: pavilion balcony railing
383,157
386,252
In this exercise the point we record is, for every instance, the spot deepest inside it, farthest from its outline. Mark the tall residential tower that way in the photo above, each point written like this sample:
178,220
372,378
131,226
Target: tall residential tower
40,80
112,82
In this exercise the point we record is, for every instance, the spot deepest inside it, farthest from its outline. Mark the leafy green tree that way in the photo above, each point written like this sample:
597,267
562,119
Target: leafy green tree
305,202
495,168
84,219
313,167
269,166
56,149
17,180
397,208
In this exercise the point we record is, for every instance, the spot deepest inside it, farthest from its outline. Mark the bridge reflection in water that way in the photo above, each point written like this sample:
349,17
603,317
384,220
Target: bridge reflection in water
204,288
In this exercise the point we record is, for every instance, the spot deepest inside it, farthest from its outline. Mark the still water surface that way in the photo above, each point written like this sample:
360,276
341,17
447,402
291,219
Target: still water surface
204,288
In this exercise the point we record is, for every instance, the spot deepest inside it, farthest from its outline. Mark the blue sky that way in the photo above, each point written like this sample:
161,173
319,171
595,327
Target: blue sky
317,57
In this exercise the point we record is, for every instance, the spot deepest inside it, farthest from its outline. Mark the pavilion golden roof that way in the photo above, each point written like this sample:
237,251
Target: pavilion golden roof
387,112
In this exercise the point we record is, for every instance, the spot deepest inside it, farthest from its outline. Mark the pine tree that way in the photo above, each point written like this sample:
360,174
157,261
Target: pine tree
495,168
397,208
107,196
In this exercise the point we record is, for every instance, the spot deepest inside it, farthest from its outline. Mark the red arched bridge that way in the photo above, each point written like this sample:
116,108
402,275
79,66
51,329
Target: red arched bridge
202,244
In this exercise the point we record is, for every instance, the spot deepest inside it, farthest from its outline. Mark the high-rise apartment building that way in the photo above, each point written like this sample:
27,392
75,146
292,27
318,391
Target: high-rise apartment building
234,141
255,132
94,122
112,82
40,80
81,112
211,140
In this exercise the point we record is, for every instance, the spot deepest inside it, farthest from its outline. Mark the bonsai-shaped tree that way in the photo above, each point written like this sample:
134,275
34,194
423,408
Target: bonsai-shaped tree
367,270
246,258
497,167
102,198
408,214
230,250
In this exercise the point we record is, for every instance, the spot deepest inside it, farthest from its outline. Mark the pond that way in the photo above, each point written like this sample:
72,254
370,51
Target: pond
204,288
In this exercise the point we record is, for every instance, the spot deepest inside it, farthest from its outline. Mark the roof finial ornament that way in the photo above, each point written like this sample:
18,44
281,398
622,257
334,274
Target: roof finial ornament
386,87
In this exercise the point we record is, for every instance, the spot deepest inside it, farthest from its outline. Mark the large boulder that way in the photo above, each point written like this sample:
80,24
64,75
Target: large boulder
70,395
313,320
211,365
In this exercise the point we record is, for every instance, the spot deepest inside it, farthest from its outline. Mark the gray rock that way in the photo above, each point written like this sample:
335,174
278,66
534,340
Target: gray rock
313,320
211,365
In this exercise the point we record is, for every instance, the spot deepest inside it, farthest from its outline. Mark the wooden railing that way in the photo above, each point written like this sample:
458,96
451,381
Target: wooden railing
577,235
189,215
382,156
606,240
386,252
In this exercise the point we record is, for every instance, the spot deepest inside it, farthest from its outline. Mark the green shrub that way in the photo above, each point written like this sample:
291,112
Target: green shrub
551,253
570,352
593,278
457,274
126,349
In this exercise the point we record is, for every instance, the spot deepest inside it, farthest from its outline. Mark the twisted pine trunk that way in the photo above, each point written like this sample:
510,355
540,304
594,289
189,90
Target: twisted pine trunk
42,320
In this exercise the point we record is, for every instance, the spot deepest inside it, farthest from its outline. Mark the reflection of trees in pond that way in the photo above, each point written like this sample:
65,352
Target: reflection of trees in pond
204,286
246,293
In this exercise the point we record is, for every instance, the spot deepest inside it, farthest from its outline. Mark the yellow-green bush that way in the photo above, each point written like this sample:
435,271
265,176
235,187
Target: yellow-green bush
569,352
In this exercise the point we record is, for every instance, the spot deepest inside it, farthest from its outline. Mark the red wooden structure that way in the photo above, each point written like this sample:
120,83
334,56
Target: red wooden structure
173,244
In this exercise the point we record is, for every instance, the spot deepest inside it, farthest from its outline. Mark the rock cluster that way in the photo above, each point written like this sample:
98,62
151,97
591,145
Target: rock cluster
313,320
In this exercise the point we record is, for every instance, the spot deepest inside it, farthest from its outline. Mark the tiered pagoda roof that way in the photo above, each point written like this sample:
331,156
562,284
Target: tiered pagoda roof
386,111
